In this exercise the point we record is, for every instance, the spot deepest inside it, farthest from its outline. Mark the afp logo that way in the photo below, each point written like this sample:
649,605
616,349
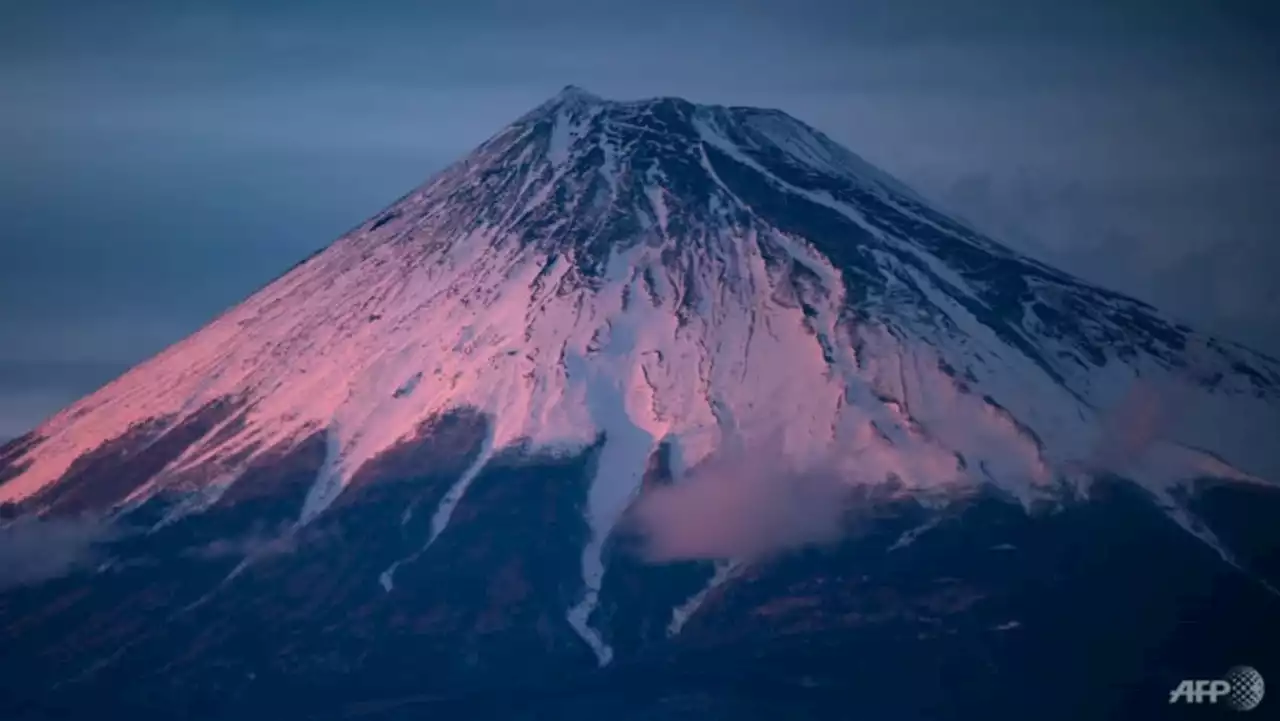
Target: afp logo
1241,688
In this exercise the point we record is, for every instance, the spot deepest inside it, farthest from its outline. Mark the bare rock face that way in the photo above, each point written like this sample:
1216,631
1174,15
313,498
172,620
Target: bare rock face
889,466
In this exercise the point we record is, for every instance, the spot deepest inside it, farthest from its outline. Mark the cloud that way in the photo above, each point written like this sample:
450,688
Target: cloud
1130,427
34,550
257,543
742,506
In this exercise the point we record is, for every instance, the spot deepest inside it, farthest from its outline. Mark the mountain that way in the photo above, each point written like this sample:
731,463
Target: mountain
661,410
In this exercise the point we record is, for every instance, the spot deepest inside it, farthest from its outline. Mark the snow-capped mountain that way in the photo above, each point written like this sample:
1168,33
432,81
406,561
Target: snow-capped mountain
626,286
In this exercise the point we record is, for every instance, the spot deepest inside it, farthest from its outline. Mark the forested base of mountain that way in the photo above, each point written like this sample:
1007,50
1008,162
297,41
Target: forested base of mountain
1094,610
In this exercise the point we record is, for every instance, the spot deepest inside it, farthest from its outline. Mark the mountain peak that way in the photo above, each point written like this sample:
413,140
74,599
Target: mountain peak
570,96
576,91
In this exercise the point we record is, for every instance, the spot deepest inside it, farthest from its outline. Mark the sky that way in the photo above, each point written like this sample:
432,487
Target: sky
163,159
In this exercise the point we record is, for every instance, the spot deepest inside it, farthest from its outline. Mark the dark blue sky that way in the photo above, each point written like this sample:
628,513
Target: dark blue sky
163,159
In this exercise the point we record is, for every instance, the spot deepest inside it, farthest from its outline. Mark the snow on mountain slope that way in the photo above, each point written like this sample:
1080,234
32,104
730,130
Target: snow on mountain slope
658,270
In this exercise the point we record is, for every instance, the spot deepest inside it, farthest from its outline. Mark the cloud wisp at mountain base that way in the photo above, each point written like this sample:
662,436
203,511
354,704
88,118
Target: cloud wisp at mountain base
742,506
34,550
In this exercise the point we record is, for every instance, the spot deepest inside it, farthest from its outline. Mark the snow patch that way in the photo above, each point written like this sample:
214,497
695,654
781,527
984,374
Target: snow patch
681,614
909,537
328,483
561,139
444,511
